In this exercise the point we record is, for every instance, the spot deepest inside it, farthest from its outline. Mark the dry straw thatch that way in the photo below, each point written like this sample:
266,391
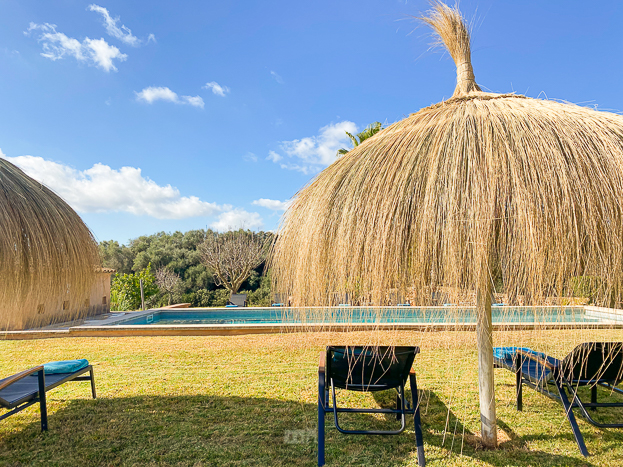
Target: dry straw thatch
47,254
480,190
480,187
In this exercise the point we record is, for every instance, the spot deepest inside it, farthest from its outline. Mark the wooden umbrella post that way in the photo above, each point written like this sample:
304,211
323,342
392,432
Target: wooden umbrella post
484,338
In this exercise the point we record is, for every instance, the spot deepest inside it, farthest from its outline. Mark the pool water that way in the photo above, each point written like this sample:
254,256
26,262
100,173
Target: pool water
360,315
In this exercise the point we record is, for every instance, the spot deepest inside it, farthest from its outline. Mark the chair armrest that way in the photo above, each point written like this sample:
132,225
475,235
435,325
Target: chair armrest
20,375
539,360
321,363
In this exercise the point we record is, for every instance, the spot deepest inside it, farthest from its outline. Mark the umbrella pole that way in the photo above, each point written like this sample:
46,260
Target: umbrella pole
484,335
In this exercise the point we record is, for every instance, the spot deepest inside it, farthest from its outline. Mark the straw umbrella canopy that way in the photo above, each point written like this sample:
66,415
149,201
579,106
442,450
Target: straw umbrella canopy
480,188
47,253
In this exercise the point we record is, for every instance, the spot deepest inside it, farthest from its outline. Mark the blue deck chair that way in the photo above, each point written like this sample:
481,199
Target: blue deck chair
368,369
21,390
590,364
278,300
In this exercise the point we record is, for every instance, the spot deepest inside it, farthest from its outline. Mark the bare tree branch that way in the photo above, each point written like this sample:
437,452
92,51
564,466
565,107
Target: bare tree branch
168,281
232,256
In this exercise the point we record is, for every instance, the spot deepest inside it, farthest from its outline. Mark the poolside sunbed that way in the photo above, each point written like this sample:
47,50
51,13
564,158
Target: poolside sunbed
237,299
368,369
21,390
590,364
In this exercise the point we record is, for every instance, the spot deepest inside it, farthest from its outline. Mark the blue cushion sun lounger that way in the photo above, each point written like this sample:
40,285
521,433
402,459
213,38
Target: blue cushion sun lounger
590,364
21,390
237,299
368,369
67,366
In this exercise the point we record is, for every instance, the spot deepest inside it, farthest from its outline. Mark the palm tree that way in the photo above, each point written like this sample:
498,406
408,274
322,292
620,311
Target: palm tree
371,130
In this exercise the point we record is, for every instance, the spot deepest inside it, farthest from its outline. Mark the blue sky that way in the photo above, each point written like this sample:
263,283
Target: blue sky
163,116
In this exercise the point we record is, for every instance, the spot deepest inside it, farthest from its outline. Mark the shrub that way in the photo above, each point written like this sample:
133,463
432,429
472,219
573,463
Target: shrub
125,291
585,286
206,298
261,296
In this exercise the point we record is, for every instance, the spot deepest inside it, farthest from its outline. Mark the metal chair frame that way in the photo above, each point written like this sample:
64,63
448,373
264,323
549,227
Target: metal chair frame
40,395
563,384
403,407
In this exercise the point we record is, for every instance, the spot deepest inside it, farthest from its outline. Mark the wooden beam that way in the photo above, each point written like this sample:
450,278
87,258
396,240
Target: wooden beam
484,332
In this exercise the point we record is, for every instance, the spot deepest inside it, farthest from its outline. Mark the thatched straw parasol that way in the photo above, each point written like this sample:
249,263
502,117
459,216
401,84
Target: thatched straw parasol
479,189
48,255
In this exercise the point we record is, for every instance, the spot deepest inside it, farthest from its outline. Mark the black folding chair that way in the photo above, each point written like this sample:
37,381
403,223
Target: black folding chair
368,369
590,364
28,387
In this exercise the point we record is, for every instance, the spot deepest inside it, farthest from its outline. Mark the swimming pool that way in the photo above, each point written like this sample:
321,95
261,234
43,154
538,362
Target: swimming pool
237,321
359,315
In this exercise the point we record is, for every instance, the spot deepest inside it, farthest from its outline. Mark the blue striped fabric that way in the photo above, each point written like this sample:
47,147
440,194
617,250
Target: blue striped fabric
535,372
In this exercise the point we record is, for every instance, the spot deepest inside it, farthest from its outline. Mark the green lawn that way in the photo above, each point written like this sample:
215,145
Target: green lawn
251,400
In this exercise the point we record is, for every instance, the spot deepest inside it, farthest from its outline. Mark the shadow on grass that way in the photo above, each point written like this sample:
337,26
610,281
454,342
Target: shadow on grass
183,430
239,431
444,431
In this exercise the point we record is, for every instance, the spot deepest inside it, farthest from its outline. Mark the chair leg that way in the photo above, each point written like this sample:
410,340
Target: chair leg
42,401
419,442
571,417
398,404
93,383
519,389
594,396
321,415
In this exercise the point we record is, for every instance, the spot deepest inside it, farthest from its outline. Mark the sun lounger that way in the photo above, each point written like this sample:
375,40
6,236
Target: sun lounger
237,299
279,300
590,364
21,390
368,369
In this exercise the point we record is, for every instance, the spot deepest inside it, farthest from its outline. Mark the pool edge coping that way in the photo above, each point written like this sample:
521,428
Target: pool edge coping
244,329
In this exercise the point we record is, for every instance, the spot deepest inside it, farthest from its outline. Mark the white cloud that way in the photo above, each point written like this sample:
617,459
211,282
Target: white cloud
103,189
272,204
93,52
152,94
313,153
237,219
250,157
273,156
122,33
104,53
217,88
195,101
277,77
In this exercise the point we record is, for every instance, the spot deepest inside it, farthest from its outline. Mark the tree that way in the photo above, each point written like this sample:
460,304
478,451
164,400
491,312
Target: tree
125,292
176,251
370,131
179,253
167,281
232,256
115,256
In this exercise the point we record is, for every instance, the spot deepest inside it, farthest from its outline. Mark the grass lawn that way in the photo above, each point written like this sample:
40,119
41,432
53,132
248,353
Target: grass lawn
251,400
